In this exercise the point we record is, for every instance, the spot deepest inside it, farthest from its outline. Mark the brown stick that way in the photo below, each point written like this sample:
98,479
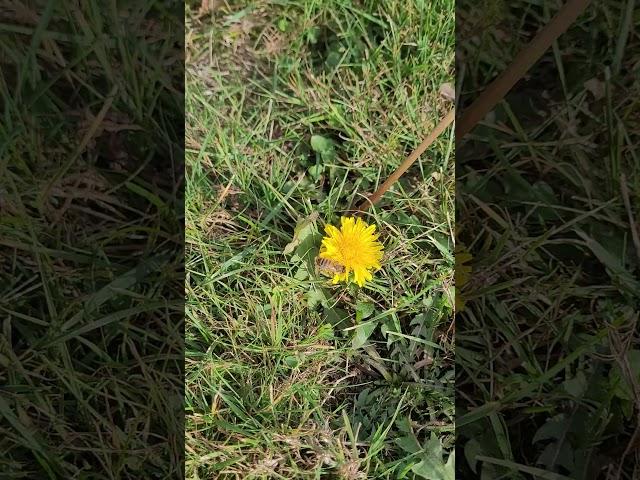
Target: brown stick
373,198
497,90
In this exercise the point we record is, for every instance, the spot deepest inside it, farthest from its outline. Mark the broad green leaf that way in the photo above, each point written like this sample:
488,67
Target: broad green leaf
283,24
325,332
363,332
315,297
619,382
471,450
302,273
552,429
323,146
576,386
450,466
408,444
363,310
315,171
614,265
291,361
432,466
557,454
336,316
303,229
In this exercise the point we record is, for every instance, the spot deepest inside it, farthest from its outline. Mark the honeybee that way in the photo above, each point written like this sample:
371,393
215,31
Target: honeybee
327,267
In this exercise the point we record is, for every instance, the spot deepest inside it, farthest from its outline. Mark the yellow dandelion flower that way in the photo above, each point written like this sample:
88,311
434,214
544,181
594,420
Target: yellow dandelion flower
355,247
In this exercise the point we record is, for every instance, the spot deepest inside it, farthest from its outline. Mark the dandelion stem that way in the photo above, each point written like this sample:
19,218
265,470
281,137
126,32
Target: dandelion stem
444,123
527,57
495,92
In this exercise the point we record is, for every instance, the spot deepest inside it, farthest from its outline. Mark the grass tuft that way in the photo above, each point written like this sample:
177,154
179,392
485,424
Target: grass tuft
301,108
91,242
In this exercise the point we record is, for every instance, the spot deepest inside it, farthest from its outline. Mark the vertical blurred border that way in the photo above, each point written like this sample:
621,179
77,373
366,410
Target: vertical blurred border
548,264
91,239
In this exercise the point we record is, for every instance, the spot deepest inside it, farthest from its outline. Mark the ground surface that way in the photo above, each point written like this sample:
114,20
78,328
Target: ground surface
91,241
288,377
548,348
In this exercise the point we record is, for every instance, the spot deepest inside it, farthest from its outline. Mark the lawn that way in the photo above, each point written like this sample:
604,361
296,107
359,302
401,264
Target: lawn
91,240
548,347
295,112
